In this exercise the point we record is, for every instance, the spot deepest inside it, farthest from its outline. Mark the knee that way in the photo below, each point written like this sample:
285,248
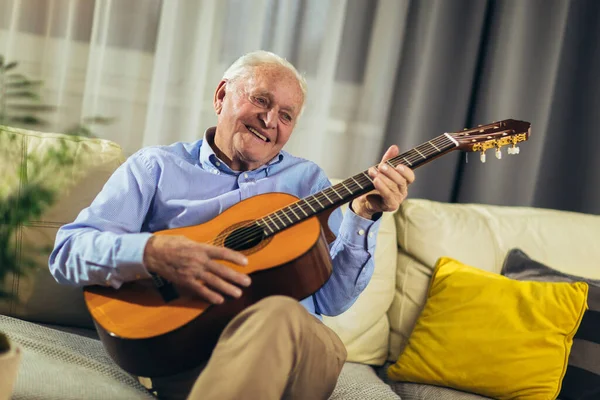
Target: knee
279,314
279,306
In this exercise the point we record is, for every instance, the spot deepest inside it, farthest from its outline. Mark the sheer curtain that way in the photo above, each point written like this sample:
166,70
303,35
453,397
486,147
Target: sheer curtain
153,65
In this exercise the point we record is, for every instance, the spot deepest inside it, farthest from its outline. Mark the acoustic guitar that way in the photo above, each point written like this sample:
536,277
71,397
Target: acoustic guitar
152,328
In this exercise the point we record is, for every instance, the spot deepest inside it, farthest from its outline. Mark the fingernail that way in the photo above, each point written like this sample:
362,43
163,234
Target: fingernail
384,167
247,281
238,292
245,261
400,167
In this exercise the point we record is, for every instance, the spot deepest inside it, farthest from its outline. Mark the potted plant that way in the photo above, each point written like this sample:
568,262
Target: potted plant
20,106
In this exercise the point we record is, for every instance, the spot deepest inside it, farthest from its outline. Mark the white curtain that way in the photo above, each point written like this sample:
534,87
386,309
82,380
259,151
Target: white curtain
153,66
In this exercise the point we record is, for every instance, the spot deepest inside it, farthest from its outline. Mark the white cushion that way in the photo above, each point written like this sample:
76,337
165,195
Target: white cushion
364,327
38,297
481,235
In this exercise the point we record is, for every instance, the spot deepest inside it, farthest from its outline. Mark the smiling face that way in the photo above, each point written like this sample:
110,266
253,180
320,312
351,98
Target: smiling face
256,115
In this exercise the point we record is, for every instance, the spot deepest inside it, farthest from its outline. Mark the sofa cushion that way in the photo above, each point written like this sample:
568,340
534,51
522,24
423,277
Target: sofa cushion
38,297
420,391
481,235
364,327
360,382
60,365
582,379
484,333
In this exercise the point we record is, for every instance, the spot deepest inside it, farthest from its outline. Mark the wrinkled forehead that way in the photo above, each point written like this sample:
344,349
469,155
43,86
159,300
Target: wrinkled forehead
277,82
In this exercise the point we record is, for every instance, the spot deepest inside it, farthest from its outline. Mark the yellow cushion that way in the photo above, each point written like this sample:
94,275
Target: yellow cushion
428,230
484,333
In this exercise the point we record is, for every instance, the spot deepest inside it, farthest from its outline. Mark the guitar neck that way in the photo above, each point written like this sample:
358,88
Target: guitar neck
355,186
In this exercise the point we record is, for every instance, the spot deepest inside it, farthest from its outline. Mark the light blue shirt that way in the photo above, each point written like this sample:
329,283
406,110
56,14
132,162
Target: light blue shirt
186,184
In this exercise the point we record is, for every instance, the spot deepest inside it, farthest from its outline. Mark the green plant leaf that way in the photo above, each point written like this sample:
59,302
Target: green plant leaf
23,84
26,120
23,94
16,77
98,120
32,107
10,65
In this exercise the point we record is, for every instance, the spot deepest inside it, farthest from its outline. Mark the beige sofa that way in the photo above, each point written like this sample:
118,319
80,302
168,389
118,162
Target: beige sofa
62,357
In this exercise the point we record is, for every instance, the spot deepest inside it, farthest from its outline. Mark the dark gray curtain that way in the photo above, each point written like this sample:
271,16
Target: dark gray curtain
470,62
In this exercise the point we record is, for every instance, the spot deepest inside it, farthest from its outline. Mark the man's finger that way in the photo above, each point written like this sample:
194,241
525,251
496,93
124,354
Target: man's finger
223,253
220,285
204,292
391,152
228,273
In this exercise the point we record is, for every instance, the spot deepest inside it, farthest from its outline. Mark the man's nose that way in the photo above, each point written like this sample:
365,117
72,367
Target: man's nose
269,118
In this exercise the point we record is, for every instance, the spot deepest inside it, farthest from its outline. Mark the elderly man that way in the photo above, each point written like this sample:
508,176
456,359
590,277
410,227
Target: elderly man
277,348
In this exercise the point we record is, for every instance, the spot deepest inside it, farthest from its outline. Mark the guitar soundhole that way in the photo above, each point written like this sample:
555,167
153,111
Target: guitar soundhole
244,238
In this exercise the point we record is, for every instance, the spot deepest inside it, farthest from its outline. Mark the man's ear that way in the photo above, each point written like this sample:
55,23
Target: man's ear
220,96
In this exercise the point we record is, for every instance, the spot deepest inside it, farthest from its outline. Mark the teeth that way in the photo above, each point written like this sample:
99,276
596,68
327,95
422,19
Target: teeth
256,133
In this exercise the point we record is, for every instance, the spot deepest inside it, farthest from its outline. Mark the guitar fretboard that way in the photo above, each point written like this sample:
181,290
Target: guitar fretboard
350,188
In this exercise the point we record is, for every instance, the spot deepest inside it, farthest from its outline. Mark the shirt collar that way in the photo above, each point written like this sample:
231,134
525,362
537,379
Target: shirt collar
210,161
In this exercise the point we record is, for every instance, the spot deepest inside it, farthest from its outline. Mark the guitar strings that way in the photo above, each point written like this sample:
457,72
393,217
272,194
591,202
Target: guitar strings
244,236
247,235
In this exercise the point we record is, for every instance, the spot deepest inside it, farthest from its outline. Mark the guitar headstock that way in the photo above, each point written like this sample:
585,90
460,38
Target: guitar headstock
507,132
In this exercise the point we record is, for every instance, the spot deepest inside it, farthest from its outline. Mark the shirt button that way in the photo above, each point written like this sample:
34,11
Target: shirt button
370,234
245,175
215,171
361,232
217,163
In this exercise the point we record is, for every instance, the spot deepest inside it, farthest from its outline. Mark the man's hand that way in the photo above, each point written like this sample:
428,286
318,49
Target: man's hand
185,262
391,187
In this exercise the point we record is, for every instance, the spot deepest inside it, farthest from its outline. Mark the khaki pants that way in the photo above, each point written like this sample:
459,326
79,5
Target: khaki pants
272,350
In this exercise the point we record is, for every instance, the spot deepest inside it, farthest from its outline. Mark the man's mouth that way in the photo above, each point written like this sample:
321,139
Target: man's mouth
257,134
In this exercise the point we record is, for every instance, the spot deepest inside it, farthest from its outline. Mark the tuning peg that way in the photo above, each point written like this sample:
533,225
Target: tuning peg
513,150
498,153
482,157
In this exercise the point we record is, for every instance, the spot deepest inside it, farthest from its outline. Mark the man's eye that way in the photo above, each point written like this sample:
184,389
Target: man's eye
287,117
261,101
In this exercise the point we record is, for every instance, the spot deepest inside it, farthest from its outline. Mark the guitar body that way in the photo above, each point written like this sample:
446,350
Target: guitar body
149,336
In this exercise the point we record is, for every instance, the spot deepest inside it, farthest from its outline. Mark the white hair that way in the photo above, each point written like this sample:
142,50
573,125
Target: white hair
243,66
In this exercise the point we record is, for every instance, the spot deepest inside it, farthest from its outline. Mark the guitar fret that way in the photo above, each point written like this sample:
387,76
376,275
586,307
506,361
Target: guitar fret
311,207
315,197
335,191
346,187
408,162
368,177
273,222
282,223
327,197
302,209
289,219
293,212
357,183
267,225
417,150
434,146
